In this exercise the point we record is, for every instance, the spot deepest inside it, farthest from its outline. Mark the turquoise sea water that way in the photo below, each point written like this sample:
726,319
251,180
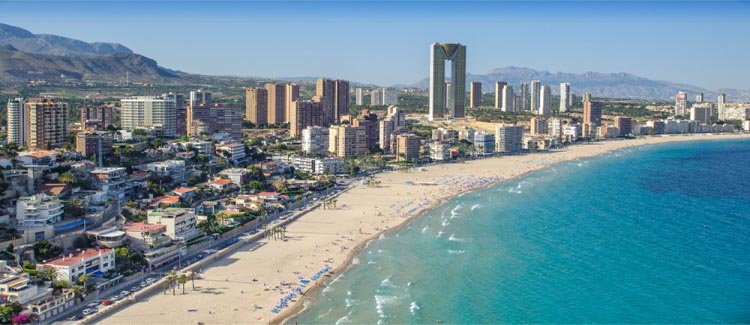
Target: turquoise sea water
657,234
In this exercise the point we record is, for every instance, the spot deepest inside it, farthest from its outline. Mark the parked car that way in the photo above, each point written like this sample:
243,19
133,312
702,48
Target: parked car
124,294
150,280
92,305
89,311
116,298
134,289
144,284
107,302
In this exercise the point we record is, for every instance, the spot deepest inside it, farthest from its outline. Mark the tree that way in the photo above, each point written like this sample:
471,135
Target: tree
83,279
182,279
48,274
67,178
43,250
10,249
8,310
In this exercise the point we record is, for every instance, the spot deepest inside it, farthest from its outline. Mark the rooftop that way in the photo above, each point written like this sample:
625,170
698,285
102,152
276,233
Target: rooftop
143,227
77,257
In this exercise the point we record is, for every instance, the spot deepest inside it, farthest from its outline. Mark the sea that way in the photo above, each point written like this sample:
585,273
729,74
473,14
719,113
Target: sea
651,234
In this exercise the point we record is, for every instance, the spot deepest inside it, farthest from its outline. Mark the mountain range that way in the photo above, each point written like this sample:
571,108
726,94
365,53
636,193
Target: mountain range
610,85
26,56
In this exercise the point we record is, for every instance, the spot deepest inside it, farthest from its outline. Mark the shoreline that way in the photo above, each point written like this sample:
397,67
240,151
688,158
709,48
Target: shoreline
324,233
300,306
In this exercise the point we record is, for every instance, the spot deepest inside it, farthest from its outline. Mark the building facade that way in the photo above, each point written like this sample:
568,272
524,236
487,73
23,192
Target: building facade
16,125
456,54
256,106
46,123
475,99
150,112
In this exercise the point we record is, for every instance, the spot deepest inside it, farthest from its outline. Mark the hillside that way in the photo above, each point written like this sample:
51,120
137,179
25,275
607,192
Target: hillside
26,41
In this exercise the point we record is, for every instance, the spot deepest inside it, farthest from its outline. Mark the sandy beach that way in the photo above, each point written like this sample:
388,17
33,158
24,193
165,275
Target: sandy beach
251,276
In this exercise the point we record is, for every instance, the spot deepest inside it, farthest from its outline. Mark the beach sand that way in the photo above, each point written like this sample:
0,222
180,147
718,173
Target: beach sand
226,293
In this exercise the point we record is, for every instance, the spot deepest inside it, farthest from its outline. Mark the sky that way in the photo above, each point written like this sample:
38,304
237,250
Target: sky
702,43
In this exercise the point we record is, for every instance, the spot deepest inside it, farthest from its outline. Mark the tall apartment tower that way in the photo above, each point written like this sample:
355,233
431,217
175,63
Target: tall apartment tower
499,86
439,53
680,104
721,99
303,114
390,96
276,103
47,123
592,115
475,99
212,119
545,101
150,112
335,98
256,105
291,94
509,139
509,99
699,97
564,96
524,89
534,100
16,115
376,99
358,97
200,97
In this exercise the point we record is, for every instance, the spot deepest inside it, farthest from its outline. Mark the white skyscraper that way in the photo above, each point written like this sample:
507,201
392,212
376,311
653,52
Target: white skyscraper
390,96
508,99
535,94
358,97
564,96
16,115
150,112
200,97
545,101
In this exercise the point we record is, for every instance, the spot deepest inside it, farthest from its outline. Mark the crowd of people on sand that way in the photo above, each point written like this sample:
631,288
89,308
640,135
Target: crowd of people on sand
296,289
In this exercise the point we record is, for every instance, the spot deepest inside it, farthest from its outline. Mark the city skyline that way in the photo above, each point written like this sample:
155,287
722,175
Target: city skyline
160,34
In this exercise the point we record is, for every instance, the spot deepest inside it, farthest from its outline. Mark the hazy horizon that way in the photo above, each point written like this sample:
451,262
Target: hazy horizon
701,43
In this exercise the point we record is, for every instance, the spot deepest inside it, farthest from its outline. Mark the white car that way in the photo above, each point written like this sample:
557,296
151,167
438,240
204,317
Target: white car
89,311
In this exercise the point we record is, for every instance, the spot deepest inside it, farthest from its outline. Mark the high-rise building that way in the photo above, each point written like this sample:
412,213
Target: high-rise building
359,98
89,144
699,97
538,126
376,99
680,105
47,123
200,97
390,96
347,141
97,117
571,99
303,114
624,125
509,139
535,91
17,118
276,103
555,127
721,100
256,105
207,120
158,113
475,99
369,121
564,96
180,115
524,88
439,53
407,147
592,115
393,121
291,93
545,101
334,94
315,140
518,103
509,99
499,86
701,114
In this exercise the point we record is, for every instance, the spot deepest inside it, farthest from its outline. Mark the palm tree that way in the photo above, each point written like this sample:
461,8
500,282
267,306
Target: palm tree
192,278
48,274
182,279
83,279
171,278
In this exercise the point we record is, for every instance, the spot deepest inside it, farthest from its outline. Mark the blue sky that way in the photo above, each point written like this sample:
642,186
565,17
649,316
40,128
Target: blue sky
704,43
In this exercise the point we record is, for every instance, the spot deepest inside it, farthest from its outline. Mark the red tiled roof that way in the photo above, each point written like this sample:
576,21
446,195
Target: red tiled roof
183,190
221,181
77,256
268,193
166,199
143,227
53,189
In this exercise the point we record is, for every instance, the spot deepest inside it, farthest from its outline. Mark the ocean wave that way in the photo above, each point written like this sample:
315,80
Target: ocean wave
413,307
456,252
371,262
349,302
476,206
445,223
440,233
381,302
355,261
424,229
387,283
453,211
382,236
344,320
456,239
